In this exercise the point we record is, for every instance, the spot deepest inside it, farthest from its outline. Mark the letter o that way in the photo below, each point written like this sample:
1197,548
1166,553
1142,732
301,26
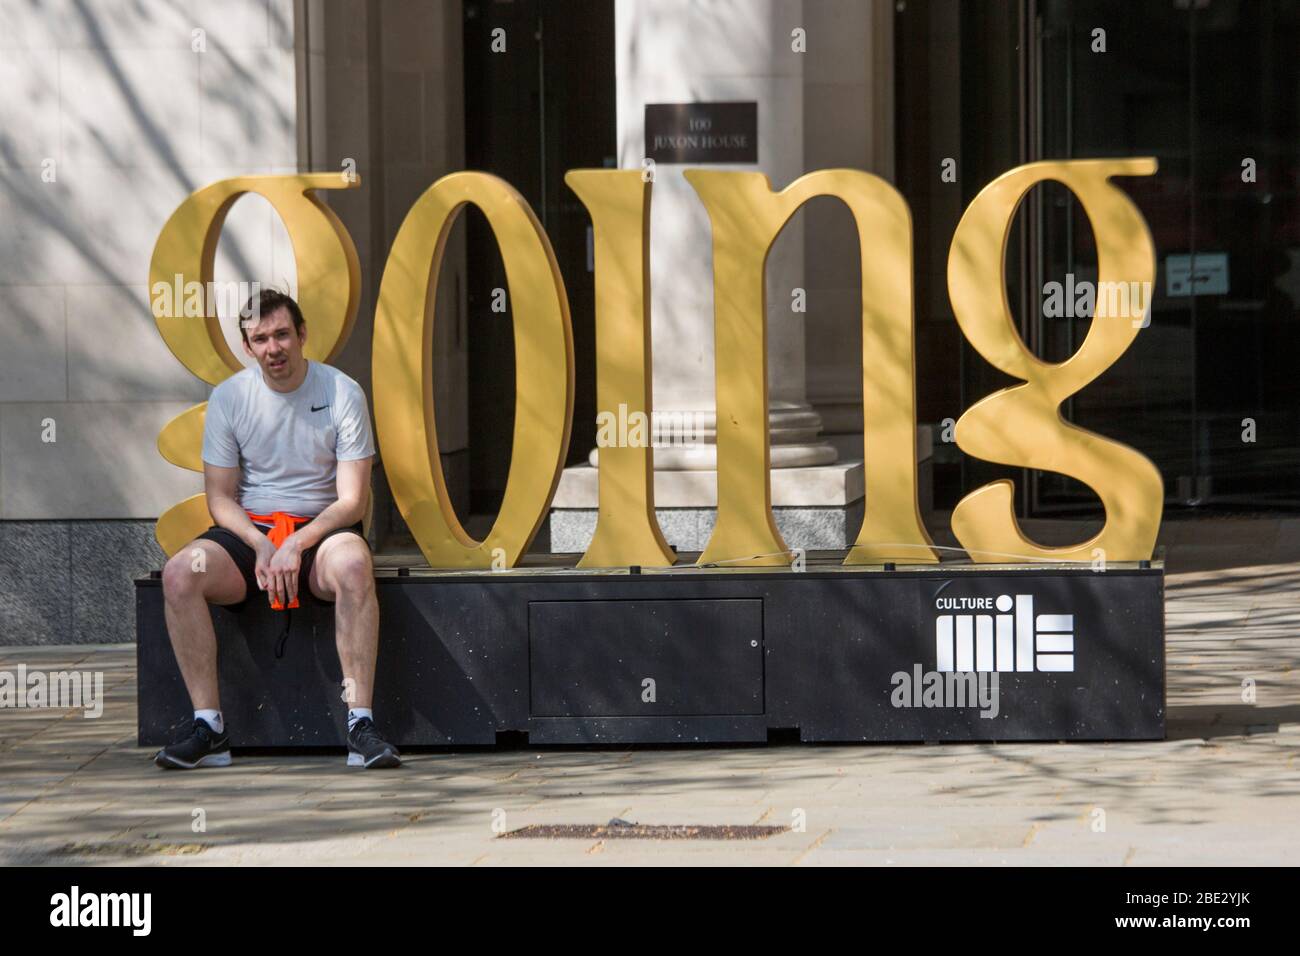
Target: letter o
403,372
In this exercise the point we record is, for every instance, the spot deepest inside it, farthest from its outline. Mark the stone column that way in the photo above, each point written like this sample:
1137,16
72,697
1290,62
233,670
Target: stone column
677,51
736,50
848,102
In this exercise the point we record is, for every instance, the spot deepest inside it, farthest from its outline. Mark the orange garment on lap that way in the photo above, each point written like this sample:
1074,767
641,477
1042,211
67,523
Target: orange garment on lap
282,525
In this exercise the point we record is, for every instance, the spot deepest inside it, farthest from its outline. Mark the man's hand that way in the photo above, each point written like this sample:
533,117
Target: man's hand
262,569
283,568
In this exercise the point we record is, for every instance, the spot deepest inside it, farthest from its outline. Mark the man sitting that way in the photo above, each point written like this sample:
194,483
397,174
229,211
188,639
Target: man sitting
287,453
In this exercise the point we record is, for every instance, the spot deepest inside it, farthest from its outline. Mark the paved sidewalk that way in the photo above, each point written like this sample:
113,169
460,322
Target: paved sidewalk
1223,789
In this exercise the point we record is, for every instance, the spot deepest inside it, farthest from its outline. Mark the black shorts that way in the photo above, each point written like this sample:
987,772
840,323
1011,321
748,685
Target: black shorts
245,559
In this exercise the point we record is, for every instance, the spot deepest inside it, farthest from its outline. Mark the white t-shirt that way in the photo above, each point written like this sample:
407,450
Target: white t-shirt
287,445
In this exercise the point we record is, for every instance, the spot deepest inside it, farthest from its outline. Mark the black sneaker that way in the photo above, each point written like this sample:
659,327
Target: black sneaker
367,749
202,748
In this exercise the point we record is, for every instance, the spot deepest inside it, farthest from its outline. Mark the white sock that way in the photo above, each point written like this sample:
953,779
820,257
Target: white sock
356,713
213,719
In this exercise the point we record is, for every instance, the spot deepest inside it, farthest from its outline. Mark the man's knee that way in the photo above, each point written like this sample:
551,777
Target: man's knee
182,576
352,572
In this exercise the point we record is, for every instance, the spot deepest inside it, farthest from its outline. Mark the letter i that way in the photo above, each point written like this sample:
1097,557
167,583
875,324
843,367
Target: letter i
1024,632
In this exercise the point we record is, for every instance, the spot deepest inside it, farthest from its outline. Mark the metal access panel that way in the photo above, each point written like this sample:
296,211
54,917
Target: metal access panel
646,658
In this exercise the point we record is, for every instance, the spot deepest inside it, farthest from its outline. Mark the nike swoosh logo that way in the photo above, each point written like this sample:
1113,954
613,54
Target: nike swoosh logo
320,409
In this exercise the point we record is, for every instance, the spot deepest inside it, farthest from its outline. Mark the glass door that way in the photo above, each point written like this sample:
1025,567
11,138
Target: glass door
539,101
1212,89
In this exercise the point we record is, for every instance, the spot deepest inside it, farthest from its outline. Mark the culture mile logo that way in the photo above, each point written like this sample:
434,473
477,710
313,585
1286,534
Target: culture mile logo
1013,640
972,649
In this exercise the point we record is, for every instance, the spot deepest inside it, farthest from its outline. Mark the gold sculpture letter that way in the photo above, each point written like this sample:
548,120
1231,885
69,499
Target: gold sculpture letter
403,379
329,280
626,530
746,216
1021,425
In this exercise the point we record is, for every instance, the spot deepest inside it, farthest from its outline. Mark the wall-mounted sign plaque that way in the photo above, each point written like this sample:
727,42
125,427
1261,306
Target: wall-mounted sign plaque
701,132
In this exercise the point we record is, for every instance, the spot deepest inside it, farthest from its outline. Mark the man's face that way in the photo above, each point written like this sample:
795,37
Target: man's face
276,345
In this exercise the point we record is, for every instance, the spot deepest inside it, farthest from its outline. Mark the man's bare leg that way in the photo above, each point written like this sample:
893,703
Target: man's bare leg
199,574
344,573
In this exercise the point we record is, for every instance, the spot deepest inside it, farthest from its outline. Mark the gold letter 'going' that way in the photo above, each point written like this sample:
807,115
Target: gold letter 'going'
627,532
1022,425
329,277
403,372
746,216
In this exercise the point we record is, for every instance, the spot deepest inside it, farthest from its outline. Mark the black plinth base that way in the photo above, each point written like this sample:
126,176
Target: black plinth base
696,656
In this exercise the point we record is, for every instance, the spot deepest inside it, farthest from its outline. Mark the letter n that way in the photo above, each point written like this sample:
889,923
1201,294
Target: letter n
747,216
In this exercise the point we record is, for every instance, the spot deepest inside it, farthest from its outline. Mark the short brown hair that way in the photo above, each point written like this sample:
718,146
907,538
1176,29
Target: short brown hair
264,303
